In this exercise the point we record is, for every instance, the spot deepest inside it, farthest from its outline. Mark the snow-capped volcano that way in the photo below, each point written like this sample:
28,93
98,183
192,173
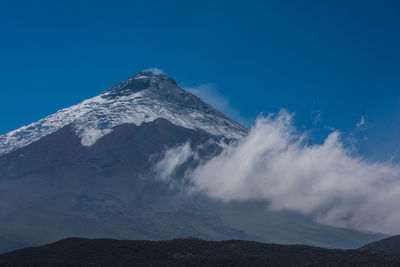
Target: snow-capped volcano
142,98
53,186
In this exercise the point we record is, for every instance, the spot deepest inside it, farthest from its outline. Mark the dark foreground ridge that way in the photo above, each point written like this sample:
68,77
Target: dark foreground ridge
389,245
189,252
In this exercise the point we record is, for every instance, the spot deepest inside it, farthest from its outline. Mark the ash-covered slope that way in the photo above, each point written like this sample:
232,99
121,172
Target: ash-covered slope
142,98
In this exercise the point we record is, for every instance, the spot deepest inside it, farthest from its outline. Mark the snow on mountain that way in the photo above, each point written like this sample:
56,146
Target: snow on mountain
142,98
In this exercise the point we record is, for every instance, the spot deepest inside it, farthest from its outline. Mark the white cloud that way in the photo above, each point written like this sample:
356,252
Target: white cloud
172,159
211,96
326,181
361,122
317,116
155,70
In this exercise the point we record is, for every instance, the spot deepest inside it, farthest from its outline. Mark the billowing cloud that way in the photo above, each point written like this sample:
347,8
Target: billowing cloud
326,181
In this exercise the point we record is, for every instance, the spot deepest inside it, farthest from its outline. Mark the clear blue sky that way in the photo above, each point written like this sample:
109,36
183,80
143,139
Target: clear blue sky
339,59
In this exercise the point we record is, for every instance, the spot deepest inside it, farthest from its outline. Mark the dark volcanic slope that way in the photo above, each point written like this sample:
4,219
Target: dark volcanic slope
390,245
188,252
56,188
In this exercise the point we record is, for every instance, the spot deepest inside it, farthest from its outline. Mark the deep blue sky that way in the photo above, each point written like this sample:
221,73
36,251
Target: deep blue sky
337,58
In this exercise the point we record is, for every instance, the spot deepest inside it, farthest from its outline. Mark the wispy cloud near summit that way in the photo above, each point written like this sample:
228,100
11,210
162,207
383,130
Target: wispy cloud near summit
156,70
361,122
212,96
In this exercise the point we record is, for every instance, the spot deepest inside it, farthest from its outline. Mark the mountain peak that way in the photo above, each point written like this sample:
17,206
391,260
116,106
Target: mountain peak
153,77
147,74
144,97
141,81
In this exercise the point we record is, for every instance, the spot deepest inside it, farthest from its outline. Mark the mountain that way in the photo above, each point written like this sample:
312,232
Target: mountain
389,245
142,98
189,252
89,171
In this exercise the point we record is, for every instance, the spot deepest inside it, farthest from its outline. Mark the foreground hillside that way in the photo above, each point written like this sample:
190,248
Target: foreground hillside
389,245
189,252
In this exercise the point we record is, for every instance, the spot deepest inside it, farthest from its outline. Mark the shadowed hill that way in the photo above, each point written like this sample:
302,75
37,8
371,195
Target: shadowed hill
188,252
390,245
